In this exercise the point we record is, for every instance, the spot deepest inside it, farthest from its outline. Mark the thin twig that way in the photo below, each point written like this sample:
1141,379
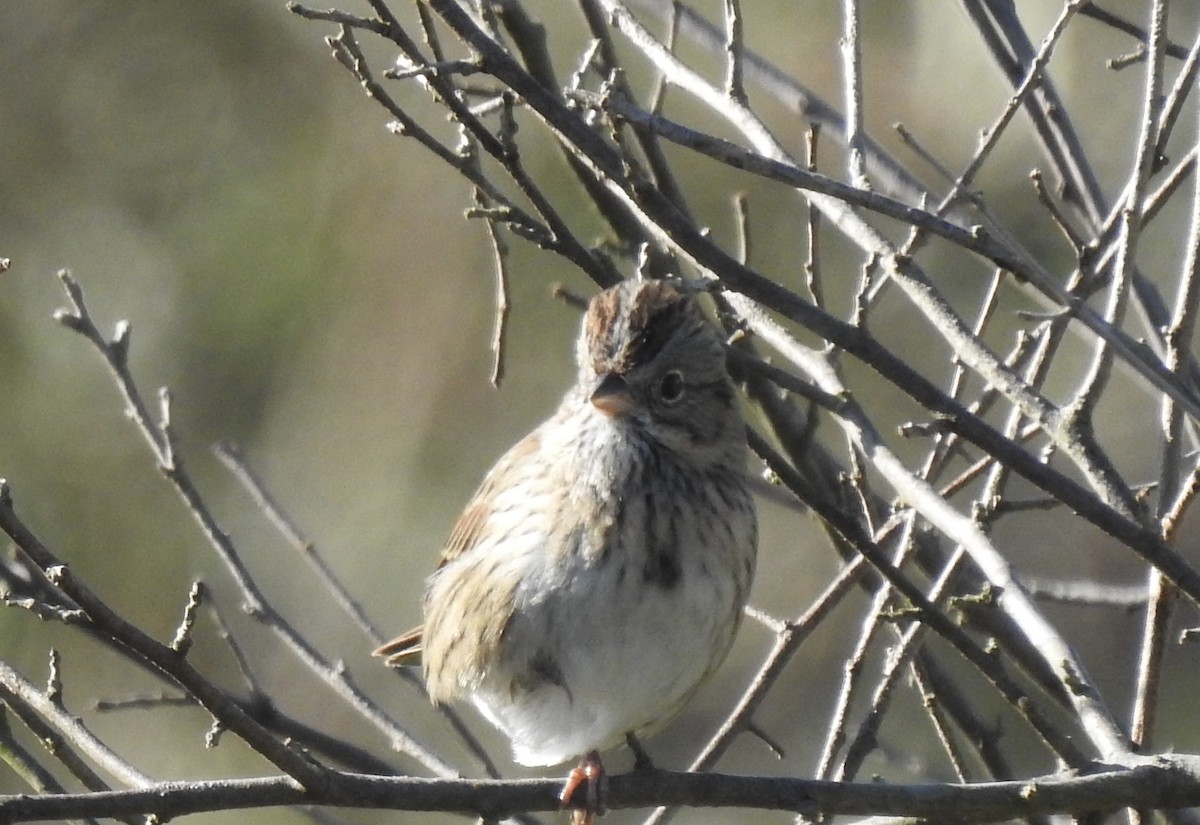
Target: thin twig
685,23
500,324
1122,25
941,724
1178,339
23,763
1172,107
812,223
853,666
946,442
983,736
734,86
852,95
340,17
182,642
63,733
1093,384
741,211
1150,662
1009,45
1085,593
1057,215
231,456
865,738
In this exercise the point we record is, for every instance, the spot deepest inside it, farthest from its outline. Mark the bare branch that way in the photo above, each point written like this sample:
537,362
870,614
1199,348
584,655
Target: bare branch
170,662
500,264
183,635
231,456
734,87
1094,715
853,95
1169,782
62,732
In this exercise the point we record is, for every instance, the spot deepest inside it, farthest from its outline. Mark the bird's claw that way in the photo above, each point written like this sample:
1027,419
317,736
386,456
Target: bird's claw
589,771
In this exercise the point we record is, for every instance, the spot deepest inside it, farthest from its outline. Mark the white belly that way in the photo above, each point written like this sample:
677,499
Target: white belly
618,654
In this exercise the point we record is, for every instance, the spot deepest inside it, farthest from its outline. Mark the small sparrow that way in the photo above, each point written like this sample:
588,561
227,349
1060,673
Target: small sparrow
598,575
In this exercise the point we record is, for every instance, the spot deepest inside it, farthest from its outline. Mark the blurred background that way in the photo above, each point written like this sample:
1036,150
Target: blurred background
306,284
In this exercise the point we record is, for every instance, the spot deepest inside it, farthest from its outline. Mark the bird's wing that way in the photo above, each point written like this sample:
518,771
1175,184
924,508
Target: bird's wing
467,530
405,649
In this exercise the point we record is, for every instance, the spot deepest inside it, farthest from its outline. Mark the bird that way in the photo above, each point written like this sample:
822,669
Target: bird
598,575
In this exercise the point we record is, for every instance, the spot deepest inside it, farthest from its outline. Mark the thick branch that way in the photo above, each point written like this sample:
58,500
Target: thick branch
1167,782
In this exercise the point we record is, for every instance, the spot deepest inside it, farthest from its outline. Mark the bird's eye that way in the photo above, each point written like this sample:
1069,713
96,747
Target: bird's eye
670,389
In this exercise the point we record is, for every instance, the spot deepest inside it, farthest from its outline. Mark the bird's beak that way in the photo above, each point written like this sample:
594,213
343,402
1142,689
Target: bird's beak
611,395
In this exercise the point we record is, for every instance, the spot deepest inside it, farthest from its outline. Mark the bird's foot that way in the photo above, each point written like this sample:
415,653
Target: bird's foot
641,758
589,771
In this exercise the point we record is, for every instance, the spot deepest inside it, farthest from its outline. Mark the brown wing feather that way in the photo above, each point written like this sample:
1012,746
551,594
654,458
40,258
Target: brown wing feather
406,648
401,651
465,533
